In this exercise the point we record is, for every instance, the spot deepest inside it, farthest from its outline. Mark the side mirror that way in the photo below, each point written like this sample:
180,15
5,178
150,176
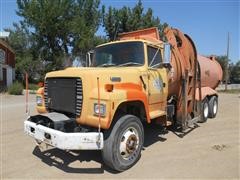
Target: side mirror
167,55
89,58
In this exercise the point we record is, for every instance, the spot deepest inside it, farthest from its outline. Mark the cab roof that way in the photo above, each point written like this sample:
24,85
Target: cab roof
156,43
148,36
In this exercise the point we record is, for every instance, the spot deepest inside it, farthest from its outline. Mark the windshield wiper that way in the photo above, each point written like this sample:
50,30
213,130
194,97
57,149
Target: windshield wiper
107,65
130,64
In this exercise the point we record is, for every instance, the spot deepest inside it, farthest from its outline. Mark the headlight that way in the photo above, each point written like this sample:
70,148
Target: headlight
39,100
99,109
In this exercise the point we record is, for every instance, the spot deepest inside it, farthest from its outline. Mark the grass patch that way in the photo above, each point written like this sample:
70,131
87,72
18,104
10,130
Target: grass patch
15,89
3,89
33,87
230,91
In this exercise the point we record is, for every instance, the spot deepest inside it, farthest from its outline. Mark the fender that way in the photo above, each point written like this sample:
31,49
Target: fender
206,91
41,108
134,92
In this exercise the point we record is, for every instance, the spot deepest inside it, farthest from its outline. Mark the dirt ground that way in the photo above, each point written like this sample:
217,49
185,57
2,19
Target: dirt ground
209,151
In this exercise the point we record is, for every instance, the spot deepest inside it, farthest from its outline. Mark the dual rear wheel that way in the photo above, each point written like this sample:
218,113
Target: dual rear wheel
209,108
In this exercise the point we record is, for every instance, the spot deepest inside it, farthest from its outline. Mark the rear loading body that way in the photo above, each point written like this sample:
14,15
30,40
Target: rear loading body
193,77
137,78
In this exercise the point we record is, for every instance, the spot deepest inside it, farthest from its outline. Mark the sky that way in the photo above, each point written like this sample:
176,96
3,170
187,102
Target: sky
207,22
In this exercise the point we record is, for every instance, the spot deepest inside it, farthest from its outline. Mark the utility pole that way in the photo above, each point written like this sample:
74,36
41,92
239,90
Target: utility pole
226,68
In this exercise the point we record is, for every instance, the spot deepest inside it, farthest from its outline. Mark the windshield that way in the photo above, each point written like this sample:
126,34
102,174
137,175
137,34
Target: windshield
119,54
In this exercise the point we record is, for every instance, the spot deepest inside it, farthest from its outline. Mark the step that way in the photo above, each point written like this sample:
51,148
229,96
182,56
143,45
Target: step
157,113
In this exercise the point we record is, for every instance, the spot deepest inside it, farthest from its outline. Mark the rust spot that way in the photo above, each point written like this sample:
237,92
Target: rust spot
207,73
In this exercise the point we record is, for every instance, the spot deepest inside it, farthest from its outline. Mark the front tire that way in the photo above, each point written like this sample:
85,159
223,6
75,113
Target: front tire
123,143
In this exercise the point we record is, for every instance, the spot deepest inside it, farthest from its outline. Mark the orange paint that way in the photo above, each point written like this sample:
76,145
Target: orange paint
112,105
109,87
40,84
150,34
40,91
128,86
135,93
109,119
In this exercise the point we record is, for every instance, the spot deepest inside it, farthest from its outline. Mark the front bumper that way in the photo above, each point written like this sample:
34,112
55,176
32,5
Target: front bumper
62,140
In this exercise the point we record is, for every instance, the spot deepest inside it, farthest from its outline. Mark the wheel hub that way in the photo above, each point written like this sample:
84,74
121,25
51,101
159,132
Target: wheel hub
129,143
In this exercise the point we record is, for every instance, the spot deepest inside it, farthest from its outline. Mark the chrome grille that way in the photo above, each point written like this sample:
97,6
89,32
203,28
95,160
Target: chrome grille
64,95
79,97
46,94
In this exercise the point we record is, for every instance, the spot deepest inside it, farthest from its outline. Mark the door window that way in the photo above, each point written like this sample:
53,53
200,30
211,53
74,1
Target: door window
154,56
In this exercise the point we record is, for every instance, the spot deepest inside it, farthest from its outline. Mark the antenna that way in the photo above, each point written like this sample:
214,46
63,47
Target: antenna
99,115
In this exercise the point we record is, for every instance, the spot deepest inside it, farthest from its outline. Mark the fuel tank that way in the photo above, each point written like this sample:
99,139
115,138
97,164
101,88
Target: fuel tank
211,71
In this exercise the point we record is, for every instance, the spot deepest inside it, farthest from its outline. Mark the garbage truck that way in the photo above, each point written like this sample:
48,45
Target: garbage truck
134,80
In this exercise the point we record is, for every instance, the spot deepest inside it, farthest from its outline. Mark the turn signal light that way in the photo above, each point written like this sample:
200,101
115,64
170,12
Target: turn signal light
109,87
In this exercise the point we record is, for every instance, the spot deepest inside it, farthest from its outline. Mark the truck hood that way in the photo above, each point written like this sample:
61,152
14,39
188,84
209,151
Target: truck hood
123,78
105,75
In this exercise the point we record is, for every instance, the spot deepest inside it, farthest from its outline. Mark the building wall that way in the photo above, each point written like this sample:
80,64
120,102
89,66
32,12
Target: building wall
9,75
1,76
10,72
1,73
8,63
9,54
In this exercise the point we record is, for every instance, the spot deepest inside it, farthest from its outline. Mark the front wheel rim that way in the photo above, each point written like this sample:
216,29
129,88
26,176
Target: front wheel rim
129,143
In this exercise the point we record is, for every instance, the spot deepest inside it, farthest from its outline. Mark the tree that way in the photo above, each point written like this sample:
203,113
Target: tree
48,22
61,28
222,60
85,24
125,19
235,72
25,55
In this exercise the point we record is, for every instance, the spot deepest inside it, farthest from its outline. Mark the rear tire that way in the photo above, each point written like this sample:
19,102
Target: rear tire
204,111
213,107
123,143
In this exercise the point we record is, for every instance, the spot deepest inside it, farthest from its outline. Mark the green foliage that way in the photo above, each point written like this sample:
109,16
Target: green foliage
60,28
233,69
25,54
53,32
222,60
85,23
125,19
33,86
235,72
15,89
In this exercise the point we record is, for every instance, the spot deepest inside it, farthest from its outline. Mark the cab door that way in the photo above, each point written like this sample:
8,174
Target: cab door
157,80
